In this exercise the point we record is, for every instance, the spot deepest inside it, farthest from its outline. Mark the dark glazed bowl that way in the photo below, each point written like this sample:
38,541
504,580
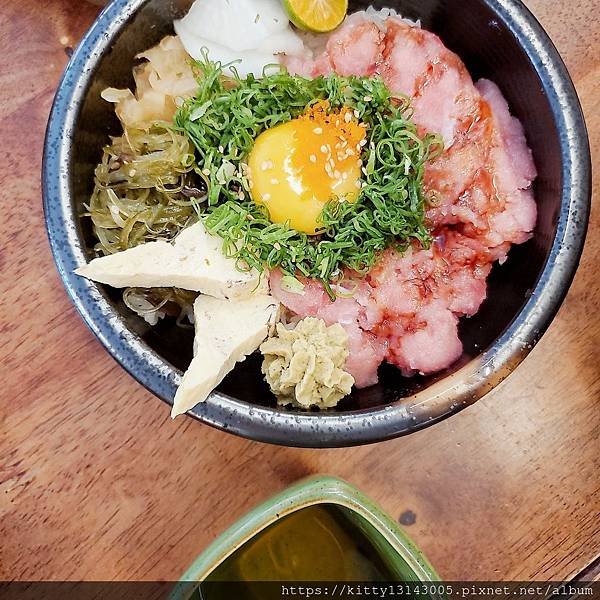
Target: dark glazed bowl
498,39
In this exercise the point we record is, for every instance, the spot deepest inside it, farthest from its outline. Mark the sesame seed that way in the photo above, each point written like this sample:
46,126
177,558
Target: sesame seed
132,172
363,143
318,130
348,117
266,197
368,98
364,170
274,181
357,114
337,175
266,165
358,183
221,149
205,172
324,149
312,158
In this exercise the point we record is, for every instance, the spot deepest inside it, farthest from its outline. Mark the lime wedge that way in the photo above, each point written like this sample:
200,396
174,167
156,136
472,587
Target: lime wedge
317,16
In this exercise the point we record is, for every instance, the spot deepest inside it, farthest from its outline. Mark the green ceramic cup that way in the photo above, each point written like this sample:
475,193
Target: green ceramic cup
395,549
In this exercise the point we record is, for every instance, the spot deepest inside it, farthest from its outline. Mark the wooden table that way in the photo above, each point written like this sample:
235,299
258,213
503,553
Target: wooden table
97,482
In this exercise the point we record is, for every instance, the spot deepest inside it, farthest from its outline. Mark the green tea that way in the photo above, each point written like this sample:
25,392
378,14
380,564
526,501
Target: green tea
319,543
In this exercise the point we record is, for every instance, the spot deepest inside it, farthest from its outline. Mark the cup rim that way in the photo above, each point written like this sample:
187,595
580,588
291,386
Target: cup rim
312,491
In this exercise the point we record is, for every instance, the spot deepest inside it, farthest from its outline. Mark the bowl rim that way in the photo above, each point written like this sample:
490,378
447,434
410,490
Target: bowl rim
325,430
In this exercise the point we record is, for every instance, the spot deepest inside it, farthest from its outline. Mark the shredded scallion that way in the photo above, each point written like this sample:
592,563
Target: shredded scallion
228,114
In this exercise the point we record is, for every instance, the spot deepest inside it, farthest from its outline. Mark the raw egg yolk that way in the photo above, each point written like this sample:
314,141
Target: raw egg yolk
297,167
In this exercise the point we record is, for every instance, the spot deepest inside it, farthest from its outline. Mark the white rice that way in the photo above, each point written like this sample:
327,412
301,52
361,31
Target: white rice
315,43
380,16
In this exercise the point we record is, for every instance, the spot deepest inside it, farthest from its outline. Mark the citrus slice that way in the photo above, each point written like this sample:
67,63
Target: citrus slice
318,16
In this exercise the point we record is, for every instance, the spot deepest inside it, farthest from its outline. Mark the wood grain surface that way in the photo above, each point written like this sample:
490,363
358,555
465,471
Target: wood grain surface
97,482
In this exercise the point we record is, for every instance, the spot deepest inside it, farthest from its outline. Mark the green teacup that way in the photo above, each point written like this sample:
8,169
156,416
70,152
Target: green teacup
320,529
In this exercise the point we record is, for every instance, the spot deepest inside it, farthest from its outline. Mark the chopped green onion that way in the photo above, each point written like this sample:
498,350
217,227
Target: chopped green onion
390,210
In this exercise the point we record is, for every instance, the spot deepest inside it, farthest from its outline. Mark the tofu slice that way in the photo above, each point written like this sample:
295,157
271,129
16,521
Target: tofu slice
194,261
226,332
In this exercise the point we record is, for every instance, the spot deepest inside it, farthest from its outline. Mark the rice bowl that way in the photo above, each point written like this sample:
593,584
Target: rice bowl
402,407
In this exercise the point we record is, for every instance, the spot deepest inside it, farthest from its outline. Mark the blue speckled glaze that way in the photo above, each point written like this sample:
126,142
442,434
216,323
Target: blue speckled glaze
438,401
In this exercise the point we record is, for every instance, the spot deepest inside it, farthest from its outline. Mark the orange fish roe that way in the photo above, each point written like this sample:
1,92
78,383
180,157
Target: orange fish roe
349,131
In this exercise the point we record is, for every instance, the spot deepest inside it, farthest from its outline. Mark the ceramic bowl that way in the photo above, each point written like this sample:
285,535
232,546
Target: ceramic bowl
395,549
497,39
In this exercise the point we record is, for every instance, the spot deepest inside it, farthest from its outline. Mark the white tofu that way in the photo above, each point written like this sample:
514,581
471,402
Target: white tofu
226,332
194,261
